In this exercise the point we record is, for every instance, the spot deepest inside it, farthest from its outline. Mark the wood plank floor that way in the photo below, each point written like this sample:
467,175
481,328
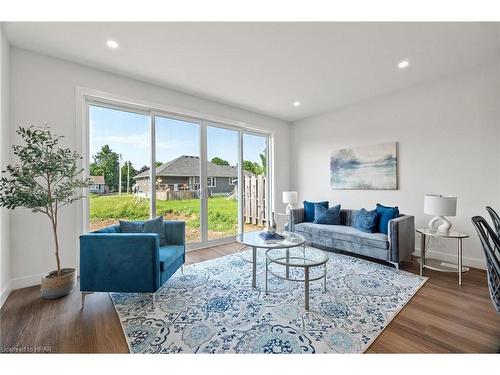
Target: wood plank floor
441,318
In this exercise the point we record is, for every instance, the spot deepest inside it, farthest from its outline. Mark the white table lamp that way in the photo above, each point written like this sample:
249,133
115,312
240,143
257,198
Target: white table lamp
289,197
440,206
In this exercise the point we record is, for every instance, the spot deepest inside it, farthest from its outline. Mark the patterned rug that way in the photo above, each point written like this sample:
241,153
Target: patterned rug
212,308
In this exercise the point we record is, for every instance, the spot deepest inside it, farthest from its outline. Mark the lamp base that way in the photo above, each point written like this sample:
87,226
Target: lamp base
289,208
439,224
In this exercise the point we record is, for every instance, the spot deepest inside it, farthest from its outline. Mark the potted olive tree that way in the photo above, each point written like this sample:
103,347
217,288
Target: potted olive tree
45,180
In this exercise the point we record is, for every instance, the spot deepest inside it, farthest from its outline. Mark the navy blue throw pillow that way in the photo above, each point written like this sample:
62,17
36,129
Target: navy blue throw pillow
385,214
330,216
156,226
366,221
131,226
309,210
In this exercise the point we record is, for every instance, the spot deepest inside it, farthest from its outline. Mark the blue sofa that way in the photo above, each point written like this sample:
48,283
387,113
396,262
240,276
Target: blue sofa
393,247
111,261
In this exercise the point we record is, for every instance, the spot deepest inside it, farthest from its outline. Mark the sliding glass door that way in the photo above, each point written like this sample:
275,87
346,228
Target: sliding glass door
222,182
213,177
177,174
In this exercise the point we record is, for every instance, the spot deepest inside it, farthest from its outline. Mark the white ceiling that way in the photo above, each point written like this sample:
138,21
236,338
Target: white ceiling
265,67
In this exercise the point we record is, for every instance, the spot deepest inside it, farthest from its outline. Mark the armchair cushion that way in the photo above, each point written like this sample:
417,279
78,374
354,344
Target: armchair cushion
169,254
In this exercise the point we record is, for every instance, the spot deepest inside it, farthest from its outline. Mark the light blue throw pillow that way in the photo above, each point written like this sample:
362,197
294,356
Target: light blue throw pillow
366,221
329,216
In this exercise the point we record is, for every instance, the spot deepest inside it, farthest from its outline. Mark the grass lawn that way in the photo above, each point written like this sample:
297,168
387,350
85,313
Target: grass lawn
222,213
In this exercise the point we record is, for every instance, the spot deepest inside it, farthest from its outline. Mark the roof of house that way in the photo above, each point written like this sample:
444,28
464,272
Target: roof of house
97,180
188,166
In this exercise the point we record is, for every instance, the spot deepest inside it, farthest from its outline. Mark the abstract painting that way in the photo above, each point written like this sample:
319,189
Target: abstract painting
365,168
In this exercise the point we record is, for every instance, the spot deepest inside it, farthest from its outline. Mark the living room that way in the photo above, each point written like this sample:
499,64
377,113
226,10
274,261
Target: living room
336,194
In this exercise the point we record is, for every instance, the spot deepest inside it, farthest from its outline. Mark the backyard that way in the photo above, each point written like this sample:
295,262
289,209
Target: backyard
222,213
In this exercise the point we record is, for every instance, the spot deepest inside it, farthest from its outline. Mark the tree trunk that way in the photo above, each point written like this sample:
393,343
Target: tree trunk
56,240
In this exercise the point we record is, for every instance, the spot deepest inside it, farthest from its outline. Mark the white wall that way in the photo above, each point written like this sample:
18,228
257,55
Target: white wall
4,160
43,91
448,133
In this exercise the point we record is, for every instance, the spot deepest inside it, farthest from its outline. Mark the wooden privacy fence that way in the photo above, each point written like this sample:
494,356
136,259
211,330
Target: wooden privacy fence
255,200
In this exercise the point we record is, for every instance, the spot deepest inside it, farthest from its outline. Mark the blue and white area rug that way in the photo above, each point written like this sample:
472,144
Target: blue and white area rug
212,308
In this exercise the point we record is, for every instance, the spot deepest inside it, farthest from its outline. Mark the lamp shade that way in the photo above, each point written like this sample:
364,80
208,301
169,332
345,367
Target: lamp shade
290,197
440,205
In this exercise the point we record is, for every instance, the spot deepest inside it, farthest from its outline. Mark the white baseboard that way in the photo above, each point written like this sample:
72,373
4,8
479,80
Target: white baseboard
5,293
26,281
452,258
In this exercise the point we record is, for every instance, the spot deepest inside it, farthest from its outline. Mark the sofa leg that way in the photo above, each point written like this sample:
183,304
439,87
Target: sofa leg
153,299
182,270
84,294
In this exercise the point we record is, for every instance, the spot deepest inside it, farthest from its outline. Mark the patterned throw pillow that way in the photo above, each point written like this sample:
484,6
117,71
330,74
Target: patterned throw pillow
309,210
366,221
329,216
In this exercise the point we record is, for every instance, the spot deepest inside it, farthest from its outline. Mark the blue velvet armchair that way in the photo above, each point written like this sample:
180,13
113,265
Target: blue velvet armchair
111,261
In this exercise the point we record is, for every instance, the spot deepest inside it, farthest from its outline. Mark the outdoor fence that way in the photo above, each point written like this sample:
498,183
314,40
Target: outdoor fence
255,200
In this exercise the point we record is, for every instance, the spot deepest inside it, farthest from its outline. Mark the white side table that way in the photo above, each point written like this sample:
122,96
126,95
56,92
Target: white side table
438,265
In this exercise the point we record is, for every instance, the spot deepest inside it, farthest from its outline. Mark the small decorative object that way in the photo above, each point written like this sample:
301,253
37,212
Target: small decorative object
271,236
365,168
291,198
271,225
45,180
440,206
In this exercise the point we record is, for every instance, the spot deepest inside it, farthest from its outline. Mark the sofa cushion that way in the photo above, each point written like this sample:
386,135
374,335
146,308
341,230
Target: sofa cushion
385,215
309,210
330,216
366,221
169,254
344,233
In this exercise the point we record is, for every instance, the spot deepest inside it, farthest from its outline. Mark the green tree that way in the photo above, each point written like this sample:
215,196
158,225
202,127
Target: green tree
106,163
45,180
219,161
263,162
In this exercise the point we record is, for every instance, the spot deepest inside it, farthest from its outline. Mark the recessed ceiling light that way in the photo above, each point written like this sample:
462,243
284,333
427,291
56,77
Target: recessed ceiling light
296,103
403,64
112,44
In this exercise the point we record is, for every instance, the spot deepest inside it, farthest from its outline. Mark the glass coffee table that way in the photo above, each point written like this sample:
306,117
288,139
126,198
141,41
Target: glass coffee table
306,258
253,240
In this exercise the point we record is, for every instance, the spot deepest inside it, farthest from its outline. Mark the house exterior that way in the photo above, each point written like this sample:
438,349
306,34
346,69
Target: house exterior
183,173
97,185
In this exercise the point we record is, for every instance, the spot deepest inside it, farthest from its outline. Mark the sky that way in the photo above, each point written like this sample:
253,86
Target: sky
128,133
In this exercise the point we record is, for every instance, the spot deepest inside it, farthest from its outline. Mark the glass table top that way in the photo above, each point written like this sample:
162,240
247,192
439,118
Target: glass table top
450,234
253,239
297,257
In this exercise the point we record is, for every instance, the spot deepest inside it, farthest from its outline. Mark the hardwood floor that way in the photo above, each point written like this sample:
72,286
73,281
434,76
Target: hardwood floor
441,318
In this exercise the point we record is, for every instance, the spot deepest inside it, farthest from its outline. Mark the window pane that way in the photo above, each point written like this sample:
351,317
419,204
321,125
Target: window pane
222,168
178,173
119,147
255,181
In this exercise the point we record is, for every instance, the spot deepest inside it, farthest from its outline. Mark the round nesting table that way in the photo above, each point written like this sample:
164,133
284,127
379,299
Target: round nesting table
305,258
253,240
